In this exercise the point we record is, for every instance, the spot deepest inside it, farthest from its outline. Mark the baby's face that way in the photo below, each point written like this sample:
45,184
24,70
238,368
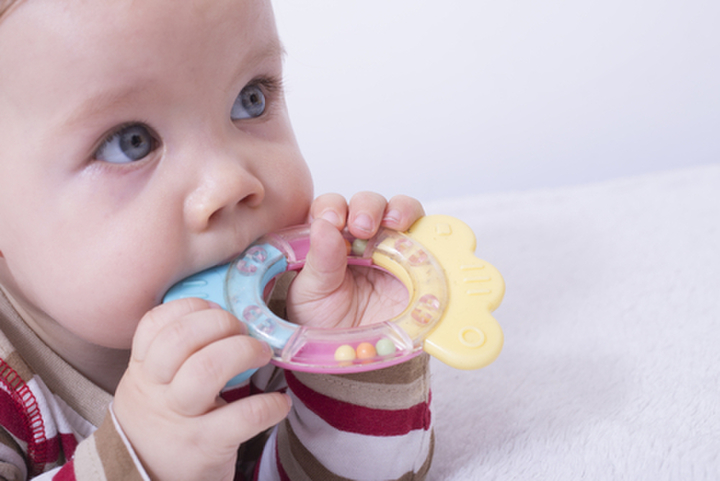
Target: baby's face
140,142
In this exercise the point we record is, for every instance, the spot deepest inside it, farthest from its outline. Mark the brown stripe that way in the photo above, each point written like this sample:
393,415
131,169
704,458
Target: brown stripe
402,373
116,460
84,397
290,463
370,389
277,301
15,361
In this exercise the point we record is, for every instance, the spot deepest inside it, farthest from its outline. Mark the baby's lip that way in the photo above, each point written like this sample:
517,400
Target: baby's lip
229,259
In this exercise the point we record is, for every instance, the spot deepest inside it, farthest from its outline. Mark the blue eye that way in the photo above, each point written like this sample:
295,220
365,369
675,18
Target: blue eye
249,104
129,144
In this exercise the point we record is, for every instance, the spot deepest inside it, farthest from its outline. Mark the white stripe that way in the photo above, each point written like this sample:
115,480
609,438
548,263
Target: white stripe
57,416
72,422
4,387
364,457
268,466
36,387
88,465
264,376
10,456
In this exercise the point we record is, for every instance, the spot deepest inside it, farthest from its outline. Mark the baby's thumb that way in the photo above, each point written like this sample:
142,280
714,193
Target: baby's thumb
325,264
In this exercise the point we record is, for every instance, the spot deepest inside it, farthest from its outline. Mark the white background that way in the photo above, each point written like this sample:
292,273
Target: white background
440,99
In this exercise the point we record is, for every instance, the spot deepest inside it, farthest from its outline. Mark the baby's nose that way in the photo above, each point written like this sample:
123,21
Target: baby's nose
223,186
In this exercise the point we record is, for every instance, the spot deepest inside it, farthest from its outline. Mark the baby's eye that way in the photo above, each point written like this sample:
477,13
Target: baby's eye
249,104
128,144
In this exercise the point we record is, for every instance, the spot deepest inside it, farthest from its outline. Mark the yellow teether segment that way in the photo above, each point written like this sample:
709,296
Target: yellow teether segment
466,336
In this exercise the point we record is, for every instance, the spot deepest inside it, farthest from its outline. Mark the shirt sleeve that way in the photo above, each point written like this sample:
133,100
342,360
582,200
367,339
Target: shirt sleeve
106,454
373,425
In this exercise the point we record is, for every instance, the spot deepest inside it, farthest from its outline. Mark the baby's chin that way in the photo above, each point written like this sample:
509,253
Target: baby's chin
110,337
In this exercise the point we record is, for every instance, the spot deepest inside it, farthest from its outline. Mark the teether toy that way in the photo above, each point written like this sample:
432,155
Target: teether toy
451,292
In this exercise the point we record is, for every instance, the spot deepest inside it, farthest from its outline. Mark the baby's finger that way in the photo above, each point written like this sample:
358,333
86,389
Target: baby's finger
332,208
178,340
402,212
366,211
157,318
195,387
325,266
247,417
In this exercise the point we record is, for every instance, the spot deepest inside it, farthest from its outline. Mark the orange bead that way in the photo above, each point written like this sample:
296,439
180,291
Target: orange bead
365,350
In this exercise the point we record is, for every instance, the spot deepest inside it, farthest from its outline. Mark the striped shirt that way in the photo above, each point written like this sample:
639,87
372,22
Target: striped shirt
56,424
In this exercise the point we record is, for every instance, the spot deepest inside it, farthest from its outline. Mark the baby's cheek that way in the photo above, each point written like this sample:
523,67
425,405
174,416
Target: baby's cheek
106,317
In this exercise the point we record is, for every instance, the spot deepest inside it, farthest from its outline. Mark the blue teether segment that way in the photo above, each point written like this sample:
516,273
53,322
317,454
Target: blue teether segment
246,281
238,287
208,284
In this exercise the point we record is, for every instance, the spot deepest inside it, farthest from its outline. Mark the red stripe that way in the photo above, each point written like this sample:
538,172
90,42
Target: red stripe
69,443
19,398
359,419
236,393
66,473
12,417
240,392
256,473
52,447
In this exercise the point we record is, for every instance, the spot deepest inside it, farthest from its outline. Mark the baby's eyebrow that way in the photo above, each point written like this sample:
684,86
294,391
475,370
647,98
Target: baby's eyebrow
97,104
271,50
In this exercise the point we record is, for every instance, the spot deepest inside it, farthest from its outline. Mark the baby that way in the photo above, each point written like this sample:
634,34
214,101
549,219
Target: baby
141,142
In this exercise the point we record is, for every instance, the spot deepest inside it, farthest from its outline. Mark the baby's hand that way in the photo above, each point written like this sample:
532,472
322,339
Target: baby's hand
167,402
328,294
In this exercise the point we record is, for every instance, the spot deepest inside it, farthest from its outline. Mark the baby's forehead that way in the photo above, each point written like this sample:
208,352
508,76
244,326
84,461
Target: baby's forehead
57,56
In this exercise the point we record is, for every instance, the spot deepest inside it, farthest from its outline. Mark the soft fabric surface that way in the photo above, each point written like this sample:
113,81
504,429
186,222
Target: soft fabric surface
611,363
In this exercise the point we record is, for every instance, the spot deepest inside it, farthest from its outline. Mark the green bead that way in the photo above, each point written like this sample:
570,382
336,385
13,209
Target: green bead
359,246
385,347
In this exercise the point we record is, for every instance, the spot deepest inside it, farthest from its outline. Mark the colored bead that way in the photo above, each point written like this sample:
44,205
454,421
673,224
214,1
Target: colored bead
365,350
345,353
359,246
385,347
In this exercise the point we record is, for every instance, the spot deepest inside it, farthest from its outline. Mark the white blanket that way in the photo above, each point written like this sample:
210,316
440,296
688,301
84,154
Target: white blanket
611,363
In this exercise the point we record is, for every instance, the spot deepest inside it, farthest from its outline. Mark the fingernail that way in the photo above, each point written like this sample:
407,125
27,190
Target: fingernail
363,222
331,216
214,305
392,217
